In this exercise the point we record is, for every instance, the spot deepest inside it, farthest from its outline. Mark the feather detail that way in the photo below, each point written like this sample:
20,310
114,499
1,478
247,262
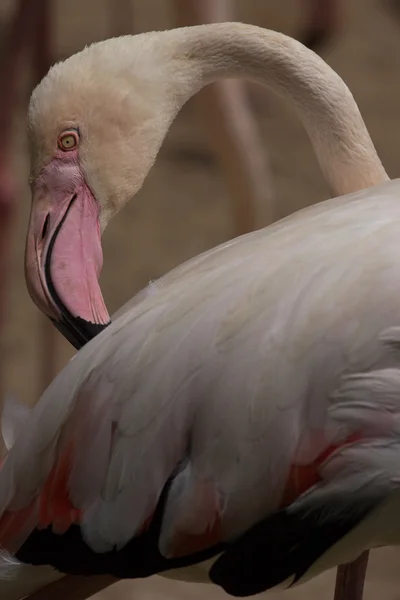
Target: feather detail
192,520
55,506
368,403
51,507
13,417
303,477
10,567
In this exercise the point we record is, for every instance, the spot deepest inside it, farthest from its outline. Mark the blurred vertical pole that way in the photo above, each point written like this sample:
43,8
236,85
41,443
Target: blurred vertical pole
15,47
42,47
42,60
232,129
322,22
120,18
393,6
350,579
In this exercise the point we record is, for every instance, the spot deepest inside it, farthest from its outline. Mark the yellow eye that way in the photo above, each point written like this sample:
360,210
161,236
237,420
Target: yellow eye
68,140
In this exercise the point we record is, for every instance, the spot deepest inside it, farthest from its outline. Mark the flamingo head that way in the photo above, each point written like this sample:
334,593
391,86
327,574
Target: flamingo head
95,125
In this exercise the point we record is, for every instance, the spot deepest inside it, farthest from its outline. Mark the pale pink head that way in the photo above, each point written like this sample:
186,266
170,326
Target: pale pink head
96,122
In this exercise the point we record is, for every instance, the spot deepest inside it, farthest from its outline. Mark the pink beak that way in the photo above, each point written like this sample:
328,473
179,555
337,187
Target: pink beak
63,257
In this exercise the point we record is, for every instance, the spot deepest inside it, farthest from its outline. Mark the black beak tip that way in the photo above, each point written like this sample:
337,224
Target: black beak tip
78,331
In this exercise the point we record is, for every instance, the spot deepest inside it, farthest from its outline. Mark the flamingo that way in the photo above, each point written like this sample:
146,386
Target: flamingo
237,420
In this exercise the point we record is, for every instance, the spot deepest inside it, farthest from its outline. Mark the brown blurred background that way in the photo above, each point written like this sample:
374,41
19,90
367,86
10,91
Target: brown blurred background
185,207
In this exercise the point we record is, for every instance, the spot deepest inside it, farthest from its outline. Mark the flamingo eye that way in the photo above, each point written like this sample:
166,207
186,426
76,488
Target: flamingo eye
68,140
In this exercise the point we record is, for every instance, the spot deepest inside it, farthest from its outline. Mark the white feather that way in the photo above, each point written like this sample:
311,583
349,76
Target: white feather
9,565
14,415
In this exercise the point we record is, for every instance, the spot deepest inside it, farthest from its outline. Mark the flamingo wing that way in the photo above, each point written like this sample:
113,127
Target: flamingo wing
352,507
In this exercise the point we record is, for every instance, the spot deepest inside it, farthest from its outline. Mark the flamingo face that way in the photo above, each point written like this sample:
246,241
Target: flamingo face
94,134
63,256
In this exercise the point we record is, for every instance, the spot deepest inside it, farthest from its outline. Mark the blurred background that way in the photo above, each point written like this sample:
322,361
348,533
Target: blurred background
188,201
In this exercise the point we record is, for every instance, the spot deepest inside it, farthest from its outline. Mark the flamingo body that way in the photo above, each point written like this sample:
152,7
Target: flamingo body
174,433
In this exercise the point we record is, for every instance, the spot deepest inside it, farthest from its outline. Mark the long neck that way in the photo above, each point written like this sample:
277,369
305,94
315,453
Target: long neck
324,103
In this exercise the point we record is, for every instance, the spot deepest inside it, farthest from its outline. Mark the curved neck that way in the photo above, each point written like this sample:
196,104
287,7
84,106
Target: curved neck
324,103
